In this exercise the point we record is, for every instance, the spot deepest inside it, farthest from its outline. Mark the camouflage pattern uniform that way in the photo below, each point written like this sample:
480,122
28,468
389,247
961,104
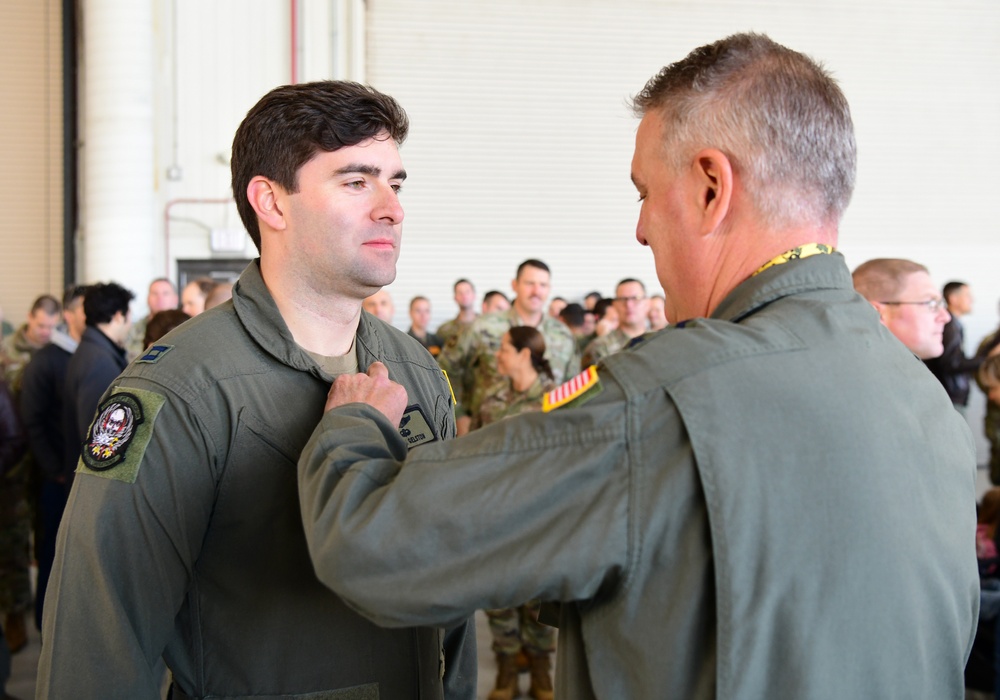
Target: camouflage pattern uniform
604,345
991,421
450,330
15,512
471,361
136,335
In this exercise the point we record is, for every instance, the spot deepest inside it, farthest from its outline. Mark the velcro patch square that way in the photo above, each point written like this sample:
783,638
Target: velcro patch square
118,437
154,353
415,428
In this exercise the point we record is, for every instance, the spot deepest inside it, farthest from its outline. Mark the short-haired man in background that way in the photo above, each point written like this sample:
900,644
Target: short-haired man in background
16,350
907,302
465,298
770,499
184,537
952,368
420,318
633,309
495,301
161,297
380,306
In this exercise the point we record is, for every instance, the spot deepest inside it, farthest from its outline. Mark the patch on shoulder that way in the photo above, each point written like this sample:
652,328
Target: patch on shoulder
118,437
578,390
154,353
415,428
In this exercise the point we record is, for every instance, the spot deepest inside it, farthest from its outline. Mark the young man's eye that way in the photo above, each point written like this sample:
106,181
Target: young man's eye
397,188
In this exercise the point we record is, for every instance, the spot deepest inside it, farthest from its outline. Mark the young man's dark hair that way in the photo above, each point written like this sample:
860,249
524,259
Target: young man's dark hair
292,123
951,288
531,262
462,281
102,301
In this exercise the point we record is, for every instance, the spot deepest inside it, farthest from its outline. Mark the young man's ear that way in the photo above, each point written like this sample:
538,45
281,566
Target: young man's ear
265,198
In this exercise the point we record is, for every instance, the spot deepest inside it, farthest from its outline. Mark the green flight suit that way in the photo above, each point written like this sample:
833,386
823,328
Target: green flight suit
777,502
191,547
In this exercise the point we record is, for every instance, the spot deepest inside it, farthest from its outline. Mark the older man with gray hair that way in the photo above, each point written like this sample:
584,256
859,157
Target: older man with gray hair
770,499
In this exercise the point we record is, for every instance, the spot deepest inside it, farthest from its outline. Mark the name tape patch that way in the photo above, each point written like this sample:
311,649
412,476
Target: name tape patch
415,428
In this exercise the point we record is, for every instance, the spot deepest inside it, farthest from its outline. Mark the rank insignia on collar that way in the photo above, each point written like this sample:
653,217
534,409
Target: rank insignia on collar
580,388
415,428
154,353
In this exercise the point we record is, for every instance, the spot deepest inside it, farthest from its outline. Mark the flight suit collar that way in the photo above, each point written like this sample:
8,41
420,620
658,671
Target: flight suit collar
257,311
793,277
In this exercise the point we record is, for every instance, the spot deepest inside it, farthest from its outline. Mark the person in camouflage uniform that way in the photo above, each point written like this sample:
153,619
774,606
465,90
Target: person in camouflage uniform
988,379
15,512
527,376
633,310
471,360
465,297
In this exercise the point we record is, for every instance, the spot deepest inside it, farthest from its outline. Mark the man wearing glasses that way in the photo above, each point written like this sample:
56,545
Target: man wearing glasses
633,308
907,302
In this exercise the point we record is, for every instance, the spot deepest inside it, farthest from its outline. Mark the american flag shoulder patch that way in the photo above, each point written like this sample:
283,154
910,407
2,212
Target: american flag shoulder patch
571,390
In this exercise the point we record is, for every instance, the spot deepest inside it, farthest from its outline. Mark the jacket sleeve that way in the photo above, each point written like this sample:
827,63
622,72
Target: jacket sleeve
534,506
124,557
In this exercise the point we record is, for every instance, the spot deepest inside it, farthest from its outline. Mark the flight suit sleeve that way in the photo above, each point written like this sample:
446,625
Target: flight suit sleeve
125,554
534,506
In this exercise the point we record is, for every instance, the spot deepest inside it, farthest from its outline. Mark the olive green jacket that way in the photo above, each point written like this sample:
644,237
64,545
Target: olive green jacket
191,545
777,502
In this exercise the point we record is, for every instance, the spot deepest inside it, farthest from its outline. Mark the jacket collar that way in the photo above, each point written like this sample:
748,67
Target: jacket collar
95,336
793,277
259,315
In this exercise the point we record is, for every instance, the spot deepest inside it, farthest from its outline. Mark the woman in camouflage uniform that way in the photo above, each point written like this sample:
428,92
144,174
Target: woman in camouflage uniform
521,358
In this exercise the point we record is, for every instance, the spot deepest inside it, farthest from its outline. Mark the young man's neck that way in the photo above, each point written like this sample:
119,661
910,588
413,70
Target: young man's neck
324,324
467,315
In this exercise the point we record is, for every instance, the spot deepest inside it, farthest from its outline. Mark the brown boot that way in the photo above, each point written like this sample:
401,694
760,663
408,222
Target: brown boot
15,632
541,678
523,662
506,678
